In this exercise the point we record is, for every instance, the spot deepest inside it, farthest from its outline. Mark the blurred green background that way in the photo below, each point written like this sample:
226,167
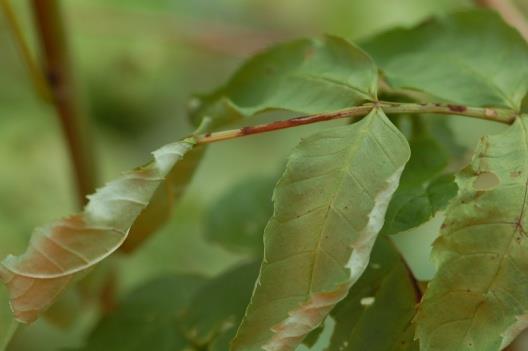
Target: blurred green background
137,63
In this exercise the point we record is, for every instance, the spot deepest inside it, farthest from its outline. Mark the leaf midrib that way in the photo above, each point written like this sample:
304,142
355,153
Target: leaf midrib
362,133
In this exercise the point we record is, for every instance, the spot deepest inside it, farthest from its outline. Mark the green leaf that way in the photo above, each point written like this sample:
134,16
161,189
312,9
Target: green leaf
443,133
377,313
237,219
422,191
217,308
329,206
58,252
470,57
306,76
478,299
149,318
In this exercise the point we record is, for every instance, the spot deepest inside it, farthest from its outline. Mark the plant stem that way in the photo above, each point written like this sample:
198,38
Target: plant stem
52,37
486,113
35,73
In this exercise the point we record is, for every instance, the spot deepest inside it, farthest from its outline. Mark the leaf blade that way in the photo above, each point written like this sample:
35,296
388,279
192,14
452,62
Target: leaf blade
479,291
470,57
291,300
305,76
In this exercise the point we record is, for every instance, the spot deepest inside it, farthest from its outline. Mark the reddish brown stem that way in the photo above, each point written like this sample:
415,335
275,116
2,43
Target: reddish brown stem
58,71
491,114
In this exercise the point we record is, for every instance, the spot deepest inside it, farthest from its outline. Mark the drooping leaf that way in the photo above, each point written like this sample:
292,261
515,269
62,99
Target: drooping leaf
329,206
422,191
217,308
59,251
159,208
377,313
149,318
470,57
478,300
306,76
237,220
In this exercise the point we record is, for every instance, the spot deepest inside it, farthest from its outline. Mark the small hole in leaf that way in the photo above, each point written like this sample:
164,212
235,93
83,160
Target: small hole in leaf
486,181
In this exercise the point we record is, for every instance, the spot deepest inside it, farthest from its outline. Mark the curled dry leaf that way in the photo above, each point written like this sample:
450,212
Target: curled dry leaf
58,252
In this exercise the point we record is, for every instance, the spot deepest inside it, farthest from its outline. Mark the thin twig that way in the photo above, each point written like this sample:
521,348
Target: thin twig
509,12
35,73
52,37
490,114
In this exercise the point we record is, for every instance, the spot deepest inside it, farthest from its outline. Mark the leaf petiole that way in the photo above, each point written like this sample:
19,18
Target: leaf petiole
485,113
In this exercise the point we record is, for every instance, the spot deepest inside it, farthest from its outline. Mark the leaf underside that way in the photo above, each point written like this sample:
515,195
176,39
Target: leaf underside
327,214
478,300
58,252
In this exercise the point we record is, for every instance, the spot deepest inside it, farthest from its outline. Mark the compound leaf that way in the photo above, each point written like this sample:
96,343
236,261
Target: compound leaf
306,76
470,57
478,299
59,251
329,206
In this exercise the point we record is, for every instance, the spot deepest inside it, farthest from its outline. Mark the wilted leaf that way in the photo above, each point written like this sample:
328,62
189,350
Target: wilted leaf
470,57
329,207
159,208
217,308
149,318
377,313
422,191
57,252
237,220
478,299
307,76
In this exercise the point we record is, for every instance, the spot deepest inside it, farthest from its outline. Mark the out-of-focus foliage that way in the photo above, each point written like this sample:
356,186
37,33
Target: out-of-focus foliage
237,220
